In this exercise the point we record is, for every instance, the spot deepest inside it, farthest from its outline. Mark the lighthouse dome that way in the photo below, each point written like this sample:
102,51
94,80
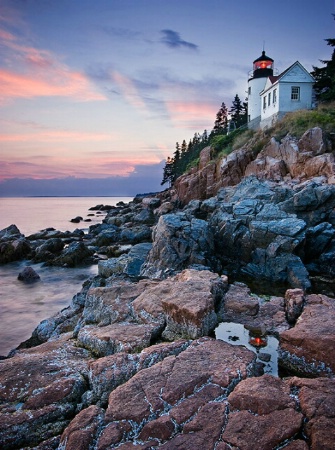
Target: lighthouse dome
263,66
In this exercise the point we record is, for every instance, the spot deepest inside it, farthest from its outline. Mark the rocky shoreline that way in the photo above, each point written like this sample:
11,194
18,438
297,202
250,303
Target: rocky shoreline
133,362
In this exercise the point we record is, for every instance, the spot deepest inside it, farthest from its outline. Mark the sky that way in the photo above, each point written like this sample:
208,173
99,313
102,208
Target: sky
94,94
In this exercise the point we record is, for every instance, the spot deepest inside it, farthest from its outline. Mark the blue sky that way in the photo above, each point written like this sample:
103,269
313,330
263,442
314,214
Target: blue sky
97,92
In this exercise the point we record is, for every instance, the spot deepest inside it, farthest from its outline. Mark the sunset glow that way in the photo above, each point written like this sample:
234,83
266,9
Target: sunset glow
105,89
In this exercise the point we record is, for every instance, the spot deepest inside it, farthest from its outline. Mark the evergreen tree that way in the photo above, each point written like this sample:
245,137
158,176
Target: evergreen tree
168,172
176,162
325,80
238,112
325,77
204,137
177,153
183,148
196,139
221,121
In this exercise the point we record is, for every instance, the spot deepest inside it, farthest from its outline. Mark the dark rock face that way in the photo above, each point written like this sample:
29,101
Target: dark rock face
28,275
128,263
178,242
13,245
260,231
75,254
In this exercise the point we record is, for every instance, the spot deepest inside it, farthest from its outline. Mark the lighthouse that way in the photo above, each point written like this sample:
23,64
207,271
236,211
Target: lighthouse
262,69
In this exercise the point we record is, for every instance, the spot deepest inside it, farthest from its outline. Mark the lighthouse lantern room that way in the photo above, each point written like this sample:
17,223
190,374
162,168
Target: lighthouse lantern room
263,66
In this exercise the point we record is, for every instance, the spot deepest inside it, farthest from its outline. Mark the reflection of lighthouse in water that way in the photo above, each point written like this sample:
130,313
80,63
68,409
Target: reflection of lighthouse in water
257,340
264,346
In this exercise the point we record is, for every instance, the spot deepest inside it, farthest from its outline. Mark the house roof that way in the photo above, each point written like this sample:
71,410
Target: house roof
271,80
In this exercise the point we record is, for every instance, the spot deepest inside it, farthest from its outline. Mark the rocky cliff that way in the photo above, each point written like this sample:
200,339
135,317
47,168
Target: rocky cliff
136,361
291,159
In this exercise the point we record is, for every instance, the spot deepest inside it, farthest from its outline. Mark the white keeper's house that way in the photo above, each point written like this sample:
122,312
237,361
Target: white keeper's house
271,96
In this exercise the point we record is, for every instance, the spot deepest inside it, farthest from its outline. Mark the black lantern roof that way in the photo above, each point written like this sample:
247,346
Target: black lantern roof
263,58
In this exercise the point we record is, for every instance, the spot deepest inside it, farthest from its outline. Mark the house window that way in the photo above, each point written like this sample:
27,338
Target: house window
274,96
269,98
264,102
295,93
249,90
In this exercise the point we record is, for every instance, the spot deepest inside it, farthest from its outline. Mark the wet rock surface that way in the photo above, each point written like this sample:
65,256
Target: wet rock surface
132,362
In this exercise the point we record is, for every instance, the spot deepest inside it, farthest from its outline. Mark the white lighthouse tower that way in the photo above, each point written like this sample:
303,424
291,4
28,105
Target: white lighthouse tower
262,69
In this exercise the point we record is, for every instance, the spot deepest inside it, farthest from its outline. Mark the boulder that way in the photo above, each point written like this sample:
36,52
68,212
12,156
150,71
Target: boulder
14,250
291,158
238,301
28,275
261,414
177,244
294,302
186,304
125,337
262,395
74,255
85,426
10,233
265,314
129,264
309,347
49,249
111,304
77,219
135,234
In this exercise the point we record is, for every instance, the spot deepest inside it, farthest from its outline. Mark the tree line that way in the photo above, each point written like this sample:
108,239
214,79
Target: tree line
186,153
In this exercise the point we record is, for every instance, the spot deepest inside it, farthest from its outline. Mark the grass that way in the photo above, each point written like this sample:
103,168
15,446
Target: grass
296,123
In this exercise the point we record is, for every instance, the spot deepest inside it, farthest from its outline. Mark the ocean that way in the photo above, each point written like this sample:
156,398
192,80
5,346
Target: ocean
23,307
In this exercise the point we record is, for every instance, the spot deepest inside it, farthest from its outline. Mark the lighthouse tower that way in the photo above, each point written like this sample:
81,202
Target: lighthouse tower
262,69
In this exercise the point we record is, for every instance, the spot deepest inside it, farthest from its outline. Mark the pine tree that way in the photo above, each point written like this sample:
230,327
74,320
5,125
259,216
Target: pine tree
176,161
183,148
204,137
238,112
168,172
221,121
325,77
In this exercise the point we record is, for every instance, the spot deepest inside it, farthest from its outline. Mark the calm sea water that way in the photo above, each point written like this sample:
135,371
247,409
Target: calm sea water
22,307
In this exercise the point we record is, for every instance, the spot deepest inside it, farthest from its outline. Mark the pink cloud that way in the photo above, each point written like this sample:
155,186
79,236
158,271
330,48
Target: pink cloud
192,115
39,73
57,83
